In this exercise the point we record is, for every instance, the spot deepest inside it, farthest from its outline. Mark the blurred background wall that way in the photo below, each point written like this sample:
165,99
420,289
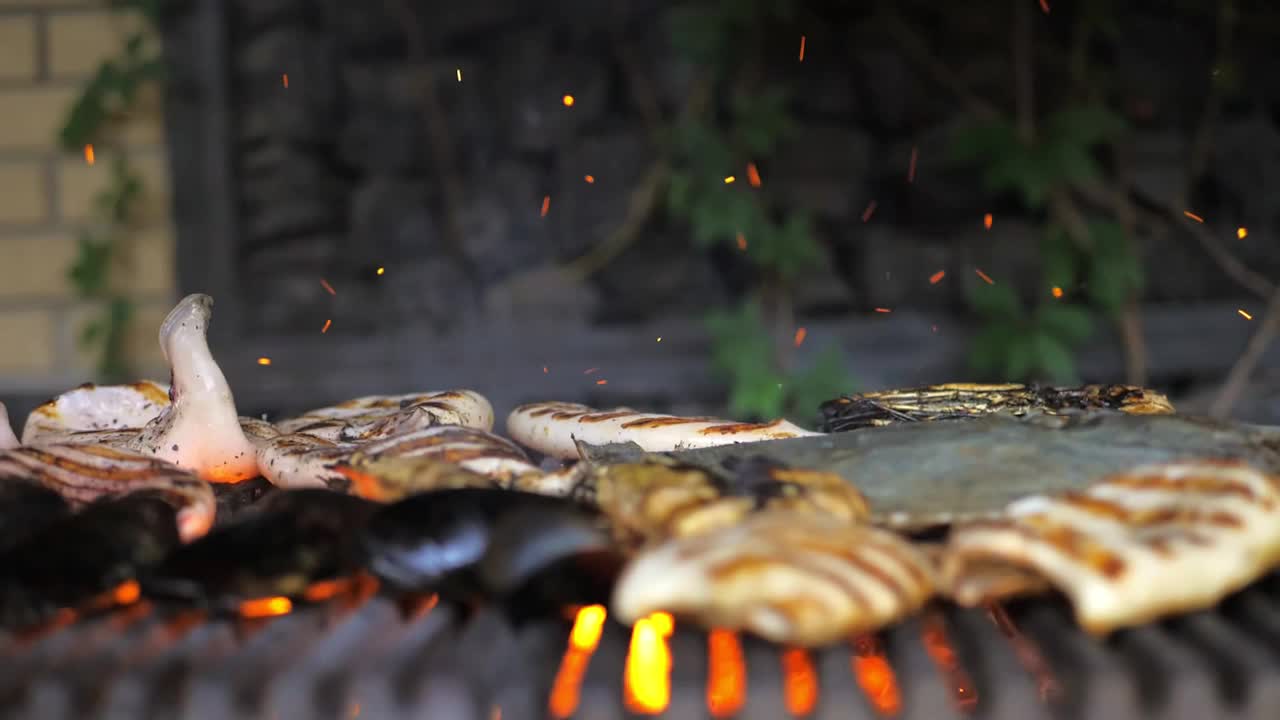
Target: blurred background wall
705,206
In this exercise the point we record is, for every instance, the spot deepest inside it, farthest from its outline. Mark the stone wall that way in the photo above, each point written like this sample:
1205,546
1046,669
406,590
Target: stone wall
47,49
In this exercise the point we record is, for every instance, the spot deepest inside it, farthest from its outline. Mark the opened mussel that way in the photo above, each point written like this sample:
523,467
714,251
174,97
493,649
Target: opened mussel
279,548
77,558
474,543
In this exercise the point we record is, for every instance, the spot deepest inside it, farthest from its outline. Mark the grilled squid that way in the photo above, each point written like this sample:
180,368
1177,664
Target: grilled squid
381,416
196,428
84,473
7,438
551,428
1132,548
801,580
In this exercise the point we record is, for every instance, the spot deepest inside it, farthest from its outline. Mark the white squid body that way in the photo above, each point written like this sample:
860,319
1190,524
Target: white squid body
552,428
192,423
8,440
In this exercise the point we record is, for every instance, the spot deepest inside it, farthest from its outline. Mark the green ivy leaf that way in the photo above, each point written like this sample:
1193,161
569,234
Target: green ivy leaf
996,302
88,272
826,378
698,33
1071,324
990,348
1054,357
985,142
1059,258
1023,358
1084,127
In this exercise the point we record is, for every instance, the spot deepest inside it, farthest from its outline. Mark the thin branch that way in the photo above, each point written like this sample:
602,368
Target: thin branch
1238,378
643,201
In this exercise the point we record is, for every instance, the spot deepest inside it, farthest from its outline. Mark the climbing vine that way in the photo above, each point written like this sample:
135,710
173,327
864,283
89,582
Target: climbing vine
104,102
715,187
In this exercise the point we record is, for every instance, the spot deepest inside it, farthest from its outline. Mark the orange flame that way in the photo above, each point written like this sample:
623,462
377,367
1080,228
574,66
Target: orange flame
583,639
753,174
939,648
800,335
265,607
322,590
875,676
799,682
935,278
647,675
727,674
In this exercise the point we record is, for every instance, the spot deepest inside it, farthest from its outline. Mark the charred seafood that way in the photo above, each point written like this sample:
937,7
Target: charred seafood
1131,548
437,541
953,401
78,558
84,473
552,428
26,507
7,438
390,479
288,542
381,416
197,429
804,580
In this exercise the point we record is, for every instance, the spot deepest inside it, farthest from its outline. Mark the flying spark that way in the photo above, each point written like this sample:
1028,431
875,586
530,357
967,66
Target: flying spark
866,214
602,382
568,101
742,241
753,174
544,370
935,278
589,178
327,287
1193,216
801,48
1044,5
264,361
883,310
546,204
659,338
325,329
284,80
729,180
1245,315
986,221
1057,291
459,74
800,334
985,278
911,168
88,154
588,371
381,270
1242,232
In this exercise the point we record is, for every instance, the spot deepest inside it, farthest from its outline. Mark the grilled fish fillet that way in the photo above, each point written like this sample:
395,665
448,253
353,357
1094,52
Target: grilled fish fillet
381,416
7,438
84,473
951,401
552,427
1134,547
197,428
803,580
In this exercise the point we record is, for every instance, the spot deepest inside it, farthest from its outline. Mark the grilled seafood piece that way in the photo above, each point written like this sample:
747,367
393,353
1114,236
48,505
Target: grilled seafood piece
26,507
302,460
84,473
381,416
804,580
551,428
952,401
435,541
93,408
390,479
79,557
7,438
661,498
197,429
280,547
1131,548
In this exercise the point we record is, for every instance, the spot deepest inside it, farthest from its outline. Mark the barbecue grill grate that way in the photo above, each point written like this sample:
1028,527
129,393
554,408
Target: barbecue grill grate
379,658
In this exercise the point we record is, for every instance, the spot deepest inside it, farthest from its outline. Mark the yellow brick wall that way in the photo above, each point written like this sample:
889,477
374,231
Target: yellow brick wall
48,48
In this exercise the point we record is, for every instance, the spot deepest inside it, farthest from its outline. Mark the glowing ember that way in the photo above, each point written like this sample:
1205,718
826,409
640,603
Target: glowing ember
742,241
939,648
875,676
602,382
326,589
1244,314
590,179
866,214
883,310
753,174
568,101
126,593
799,682
1242,232
663,623
659,338
546,204
583,639
265,607
459,74
986,221
727,674
647,675
1057,291
381,270
729,180
800,333
325,329
88,154
327,287
544,370
935,278
985,278
284,80
911,168
801,48
264,361
1193,216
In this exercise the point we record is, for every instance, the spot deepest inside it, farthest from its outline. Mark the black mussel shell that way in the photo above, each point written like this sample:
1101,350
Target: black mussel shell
26,507
279,547
433,541
79,557
542,559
